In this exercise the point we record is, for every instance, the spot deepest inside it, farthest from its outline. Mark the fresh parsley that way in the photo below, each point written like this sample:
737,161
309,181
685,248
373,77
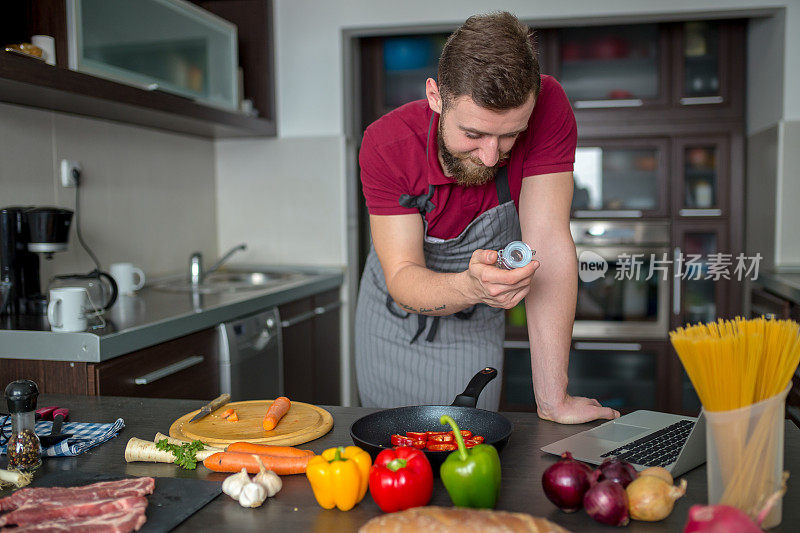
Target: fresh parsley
185,454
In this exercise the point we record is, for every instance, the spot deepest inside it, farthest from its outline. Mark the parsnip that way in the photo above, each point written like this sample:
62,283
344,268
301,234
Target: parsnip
13,477
143,450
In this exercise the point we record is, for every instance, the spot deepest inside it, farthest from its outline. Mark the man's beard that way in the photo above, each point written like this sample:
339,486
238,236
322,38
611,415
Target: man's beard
466,171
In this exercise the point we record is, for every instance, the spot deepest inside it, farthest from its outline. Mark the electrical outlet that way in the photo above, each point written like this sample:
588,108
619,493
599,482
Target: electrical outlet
70,172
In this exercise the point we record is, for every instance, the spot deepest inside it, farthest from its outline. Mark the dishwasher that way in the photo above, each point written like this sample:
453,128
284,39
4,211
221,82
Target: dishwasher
251,357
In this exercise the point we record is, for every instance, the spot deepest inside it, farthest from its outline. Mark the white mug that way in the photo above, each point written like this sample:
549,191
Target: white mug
124,274
48,46
67,309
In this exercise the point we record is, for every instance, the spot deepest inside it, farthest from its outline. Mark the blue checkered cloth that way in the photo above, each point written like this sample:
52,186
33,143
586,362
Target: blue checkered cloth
85,435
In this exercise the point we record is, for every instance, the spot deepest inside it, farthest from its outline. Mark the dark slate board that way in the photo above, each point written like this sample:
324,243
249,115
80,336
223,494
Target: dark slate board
173,500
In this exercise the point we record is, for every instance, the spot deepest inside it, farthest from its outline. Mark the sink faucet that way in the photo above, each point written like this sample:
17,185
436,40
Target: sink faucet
196,272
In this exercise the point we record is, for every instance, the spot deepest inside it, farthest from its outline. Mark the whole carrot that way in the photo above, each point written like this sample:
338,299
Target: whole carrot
235,461
264,449
280,406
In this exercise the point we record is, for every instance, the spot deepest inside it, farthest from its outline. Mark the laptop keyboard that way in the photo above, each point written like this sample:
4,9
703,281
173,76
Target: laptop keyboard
660,448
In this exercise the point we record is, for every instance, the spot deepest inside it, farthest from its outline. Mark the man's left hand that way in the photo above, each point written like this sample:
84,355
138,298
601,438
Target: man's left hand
576,410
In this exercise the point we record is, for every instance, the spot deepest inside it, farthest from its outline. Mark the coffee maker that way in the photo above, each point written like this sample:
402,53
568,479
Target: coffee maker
25,233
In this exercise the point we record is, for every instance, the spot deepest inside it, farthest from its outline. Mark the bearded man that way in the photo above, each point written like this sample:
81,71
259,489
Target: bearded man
484,160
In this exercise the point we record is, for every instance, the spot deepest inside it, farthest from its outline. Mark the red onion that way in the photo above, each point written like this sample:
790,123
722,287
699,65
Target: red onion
719,519
565,483
607,503
618,471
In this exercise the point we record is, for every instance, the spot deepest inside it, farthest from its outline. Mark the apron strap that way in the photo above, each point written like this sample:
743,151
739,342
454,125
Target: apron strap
501,184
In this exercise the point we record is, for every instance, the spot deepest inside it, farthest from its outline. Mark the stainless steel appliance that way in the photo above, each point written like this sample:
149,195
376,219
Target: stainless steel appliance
625,274
251,357
26,232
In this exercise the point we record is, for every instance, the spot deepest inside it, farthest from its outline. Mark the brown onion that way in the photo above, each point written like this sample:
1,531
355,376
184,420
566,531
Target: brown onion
651,499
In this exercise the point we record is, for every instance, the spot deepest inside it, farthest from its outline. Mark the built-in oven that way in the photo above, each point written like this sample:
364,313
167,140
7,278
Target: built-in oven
624,279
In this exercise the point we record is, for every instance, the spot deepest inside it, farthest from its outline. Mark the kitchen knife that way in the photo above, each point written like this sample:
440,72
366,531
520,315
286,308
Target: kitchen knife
214,404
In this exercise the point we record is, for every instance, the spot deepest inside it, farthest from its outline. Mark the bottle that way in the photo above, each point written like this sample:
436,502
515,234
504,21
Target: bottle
24,449
515,255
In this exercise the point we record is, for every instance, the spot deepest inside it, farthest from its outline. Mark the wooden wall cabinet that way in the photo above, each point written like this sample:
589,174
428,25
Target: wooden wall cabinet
31,82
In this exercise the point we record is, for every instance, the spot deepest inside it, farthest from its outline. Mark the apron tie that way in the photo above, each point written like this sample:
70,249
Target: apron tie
421,203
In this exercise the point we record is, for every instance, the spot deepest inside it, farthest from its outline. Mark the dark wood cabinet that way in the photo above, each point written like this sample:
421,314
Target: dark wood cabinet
187,367
32,82
310,331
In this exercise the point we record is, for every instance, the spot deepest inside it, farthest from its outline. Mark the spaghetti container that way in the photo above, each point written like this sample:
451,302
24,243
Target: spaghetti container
744,451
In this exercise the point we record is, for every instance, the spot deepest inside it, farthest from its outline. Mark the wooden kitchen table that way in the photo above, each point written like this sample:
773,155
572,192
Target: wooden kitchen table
294,508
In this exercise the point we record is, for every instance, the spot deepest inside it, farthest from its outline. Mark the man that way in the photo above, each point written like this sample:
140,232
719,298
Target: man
448,181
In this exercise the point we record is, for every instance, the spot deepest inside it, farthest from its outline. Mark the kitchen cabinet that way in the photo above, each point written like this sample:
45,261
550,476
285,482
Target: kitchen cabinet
28,81
702,169
621,374
310,333
621,178
187,367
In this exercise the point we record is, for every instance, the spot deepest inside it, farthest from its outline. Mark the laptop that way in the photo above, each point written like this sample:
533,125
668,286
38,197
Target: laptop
642,438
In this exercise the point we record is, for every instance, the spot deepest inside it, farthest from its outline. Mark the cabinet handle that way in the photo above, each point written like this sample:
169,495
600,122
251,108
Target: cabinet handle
700,212
608,346
169,370
599,104
619,213
321,310
701,100
676,286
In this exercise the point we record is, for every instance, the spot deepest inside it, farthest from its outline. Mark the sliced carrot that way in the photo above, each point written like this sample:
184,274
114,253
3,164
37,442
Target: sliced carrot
280,406
263,449
233,417
235,461
227,413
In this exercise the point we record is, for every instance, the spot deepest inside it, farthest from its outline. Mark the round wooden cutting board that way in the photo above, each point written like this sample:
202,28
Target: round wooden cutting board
304,422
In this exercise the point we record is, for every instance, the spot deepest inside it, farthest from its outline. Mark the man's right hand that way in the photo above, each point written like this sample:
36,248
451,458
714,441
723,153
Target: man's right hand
494,286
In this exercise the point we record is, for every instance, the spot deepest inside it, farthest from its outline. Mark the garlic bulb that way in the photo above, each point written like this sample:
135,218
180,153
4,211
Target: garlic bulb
233,484
268,479
253,495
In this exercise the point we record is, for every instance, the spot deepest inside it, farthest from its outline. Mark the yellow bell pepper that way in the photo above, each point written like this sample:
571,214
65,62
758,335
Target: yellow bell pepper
339,476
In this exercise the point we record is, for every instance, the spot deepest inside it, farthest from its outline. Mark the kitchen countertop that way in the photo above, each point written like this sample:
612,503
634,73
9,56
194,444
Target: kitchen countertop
786,285
153,316
294,508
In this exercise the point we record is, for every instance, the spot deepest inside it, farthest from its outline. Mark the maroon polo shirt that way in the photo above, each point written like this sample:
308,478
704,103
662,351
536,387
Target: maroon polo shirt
393,161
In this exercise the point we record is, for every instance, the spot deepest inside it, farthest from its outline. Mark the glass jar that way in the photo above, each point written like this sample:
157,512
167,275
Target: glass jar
515,255
24,448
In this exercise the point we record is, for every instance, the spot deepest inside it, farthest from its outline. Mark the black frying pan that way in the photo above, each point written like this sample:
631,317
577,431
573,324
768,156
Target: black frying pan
373,432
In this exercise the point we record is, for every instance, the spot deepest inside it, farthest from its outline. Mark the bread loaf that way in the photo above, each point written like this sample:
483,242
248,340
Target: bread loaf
458,520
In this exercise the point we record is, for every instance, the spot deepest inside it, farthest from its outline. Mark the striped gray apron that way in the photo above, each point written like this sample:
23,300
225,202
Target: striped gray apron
396,364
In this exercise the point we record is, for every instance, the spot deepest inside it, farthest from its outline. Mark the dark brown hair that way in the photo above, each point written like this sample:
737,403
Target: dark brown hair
491,59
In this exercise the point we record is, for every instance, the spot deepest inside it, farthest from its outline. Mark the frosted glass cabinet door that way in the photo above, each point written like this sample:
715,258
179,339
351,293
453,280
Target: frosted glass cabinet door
170,45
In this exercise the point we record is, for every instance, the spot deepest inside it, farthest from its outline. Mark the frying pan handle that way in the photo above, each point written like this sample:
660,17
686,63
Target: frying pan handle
469,398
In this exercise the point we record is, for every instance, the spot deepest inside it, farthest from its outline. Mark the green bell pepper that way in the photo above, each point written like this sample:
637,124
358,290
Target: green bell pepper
471,476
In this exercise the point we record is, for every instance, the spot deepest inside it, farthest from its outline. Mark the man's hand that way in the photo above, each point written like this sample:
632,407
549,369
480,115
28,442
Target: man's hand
496,286
575,410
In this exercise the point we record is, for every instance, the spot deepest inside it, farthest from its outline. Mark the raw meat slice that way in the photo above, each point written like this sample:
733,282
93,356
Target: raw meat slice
96,491
117,522
34,514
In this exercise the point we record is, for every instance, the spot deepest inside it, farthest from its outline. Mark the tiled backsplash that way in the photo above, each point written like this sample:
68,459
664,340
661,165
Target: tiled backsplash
146,197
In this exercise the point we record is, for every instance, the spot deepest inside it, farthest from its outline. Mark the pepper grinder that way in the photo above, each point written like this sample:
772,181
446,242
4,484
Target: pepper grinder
515,255
24,448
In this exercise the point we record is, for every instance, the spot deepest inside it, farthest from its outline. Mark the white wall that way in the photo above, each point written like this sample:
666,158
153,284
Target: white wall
147,196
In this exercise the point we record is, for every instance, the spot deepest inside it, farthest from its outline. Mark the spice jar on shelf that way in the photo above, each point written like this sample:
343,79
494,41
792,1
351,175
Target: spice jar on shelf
24,448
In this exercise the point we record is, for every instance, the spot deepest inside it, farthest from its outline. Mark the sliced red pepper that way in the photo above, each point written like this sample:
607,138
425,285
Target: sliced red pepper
465,433
469,443
419,444
447,437
400,440
429,433
417,435
441,446
477,438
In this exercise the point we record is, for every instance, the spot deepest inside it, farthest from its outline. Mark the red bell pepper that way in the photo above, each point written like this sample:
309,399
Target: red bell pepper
401,478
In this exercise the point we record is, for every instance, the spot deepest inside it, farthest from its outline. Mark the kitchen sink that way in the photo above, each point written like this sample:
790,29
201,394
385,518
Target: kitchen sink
231,281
